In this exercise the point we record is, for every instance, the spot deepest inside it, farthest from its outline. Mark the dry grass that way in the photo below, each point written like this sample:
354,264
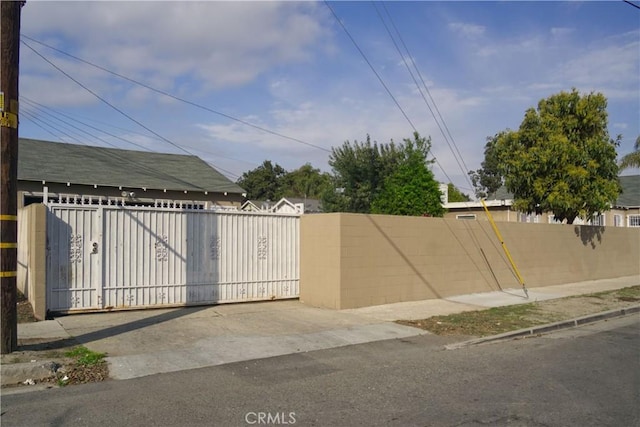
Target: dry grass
504,319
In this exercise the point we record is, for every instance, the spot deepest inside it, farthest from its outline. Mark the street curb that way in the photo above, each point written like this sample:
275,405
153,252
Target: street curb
550,327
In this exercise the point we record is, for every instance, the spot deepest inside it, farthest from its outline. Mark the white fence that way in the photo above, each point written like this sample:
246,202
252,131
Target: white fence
115,257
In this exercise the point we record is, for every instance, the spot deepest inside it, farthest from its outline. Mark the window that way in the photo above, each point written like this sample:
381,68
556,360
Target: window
529,218
633,220
467,216
553,220
617,220
598,220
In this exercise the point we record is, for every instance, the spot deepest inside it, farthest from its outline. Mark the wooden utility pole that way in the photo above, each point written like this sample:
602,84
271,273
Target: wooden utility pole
9,60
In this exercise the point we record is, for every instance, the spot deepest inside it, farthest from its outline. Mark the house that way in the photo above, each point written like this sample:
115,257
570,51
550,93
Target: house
282,206
52,171
625,212
310,205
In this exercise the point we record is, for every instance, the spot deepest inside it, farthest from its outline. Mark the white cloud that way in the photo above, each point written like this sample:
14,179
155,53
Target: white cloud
561,31
467,30
612,68
220,43
351,118
279,66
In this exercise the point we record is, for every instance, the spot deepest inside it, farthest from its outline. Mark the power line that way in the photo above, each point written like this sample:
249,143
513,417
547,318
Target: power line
116,108
459,158
382,82
632,4
44,109
370,65
177,98
45,112
39,122
49,124
36,121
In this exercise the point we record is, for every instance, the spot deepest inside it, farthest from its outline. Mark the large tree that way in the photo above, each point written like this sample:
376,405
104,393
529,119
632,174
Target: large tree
411,188
306,182
264,182
562,159
488,178
632,160
455,195
359,170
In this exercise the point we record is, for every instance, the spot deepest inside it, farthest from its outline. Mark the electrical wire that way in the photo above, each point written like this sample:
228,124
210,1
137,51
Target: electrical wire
43,111
46,122
449,140
632,4
458,157
382,82
46,110
177,98
370,65
36,121
116,108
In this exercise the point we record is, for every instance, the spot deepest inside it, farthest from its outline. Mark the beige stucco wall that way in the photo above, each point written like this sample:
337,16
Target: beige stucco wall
320,250
503,214
350,260
32,241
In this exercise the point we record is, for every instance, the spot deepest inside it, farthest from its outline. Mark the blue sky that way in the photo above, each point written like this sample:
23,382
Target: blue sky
289,67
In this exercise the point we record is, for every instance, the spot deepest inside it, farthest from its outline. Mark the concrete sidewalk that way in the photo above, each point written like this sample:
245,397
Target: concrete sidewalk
146,342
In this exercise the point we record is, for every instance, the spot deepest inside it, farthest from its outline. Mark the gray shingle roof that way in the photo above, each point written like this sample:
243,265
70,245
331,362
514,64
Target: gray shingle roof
630,196
310,205
111,167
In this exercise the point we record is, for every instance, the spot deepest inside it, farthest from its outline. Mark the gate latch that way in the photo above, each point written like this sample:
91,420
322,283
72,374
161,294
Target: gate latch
94,249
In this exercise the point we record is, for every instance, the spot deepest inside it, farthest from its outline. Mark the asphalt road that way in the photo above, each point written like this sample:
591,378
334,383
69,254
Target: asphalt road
587,376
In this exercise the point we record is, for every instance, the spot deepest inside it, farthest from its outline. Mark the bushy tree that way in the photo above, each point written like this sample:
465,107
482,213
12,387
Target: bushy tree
488,178
306,182
455,195
264,182
359,170
562,159
411,188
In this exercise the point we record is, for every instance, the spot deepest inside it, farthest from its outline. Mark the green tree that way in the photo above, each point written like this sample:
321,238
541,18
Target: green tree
264,182
306,182
411,188
562,159
488,178
455,195
359,170
632,160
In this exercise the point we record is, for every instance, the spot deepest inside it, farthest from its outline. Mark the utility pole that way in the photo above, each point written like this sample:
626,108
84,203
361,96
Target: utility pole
9,65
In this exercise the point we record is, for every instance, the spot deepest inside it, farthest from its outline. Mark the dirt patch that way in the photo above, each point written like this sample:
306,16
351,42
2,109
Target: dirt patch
504,319
25,311
66,369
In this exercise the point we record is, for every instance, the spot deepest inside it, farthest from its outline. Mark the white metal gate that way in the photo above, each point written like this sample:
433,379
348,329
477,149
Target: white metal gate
114,257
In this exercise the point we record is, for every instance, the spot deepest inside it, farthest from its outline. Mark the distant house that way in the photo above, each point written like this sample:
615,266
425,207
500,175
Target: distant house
310,205
284,205
51,170
625,212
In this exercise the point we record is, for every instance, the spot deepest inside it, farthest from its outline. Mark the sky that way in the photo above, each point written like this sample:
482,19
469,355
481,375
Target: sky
284,81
